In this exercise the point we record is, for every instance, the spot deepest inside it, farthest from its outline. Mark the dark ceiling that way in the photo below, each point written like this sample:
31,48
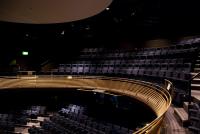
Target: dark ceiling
50,11
129,21
125,19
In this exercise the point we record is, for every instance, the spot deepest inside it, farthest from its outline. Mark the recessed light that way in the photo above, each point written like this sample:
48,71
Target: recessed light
63,32
133,13
87,28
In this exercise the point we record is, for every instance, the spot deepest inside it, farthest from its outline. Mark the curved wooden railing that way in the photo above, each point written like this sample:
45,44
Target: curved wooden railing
156,97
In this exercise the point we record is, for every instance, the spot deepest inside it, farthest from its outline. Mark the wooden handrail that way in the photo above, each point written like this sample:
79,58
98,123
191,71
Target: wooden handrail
154,96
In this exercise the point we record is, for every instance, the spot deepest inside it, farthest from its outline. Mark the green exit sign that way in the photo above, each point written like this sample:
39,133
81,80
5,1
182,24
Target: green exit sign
25,53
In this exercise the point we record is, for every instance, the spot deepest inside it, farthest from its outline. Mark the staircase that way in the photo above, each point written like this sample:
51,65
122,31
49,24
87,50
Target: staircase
182,113
194,110
197,65
196,81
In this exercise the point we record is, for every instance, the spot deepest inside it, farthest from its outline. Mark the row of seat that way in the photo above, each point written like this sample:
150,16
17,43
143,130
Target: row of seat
133,61
180,45
80,114
174,51
149,55
74,119
172,73
179,75
4,117
102,127
187,42
73,109
6,126
109,68
18,118
34,111
63,125
6,123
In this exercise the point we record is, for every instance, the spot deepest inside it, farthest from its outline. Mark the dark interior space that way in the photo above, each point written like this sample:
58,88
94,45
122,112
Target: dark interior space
141,40
120,110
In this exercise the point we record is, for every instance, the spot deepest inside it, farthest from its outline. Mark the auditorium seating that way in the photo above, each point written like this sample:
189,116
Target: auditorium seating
73,119
6,123
34,111
150,64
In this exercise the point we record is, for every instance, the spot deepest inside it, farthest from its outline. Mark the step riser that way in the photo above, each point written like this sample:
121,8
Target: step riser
196,100
195,88
197,65
196,82
196,70
195,92
196,95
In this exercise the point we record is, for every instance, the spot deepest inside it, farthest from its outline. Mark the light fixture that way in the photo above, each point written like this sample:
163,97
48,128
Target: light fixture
63,32
24,53
107,8
133,13
69,77
87,27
